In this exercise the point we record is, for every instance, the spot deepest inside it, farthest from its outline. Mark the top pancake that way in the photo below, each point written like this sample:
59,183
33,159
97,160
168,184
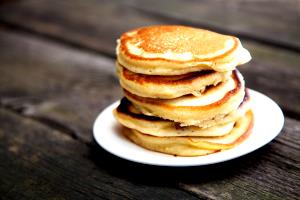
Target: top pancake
174,50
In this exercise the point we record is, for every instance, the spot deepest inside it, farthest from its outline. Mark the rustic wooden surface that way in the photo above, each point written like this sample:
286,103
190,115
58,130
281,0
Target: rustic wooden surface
57,73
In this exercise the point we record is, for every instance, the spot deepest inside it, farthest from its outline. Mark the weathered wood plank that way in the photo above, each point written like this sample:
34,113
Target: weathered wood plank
54,83
266,21
275,73
37,162
274,22
96,25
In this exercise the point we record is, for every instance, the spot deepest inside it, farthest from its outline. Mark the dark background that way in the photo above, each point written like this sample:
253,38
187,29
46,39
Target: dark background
57,73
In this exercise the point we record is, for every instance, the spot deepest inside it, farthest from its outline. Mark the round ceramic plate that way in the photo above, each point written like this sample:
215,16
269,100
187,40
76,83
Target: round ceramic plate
268,122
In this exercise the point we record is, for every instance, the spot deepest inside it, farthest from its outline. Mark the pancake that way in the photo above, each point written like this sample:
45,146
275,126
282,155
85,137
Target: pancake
128,116
175,50
168,87
194,146
214,105
244,107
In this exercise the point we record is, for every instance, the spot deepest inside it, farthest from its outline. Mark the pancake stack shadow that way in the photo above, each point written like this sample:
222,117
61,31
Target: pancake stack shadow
183,93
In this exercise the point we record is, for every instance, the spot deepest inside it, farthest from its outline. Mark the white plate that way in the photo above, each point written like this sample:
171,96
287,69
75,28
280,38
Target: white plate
268,122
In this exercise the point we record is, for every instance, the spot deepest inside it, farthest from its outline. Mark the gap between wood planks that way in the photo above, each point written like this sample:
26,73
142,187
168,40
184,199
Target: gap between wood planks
51,123
23,29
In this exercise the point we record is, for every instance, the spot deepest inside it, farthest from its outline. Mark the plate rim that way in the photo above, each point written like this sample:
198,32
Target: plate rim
184,164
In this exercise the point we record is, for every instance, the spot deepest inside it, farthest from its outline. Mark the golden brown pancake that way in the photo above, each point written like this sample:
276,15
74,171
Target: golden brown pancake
213,105
174,50
194,146
128,116
168,87
234,115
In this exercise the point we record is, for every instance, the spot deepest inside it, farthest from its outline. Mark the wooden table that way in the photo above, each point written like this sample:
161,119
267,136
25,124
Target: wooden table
57,73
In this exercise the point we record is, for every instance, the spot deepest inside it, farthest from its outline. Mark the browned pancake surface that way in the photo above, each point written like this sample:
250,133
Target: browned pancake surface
177,39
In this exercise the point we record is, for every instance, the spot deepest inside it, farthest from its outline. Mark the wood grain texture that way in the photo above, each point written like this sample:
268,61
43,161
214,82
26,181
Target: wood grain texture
37,162
55,84
275,73
95,25
45,80
267,21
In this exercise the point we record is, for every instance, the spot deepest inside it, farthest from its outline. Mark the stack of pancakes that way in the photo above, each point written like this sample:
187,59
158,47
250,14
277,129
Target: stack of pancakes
183,95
